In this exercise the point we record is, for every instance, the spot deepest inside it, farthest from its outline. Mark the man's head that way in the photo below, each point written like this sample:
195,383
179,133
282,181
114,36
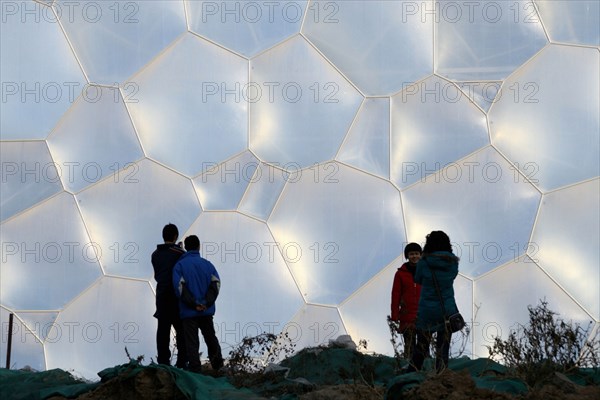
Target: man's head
412,252
170,233
192,243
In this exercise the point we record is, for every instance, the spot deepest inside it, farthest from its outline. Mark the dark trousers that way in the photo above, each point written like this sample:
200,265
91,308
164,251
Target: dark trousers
442,350
163,341
410,339
190,329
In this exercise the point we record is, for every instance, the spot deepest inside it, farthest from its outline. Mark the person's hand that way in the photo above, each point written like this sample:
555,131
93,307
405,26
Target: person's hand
200,307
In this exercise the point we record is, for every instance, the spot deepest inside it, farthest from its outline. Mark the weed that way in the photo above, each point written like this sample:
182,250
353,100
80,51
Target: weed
534,352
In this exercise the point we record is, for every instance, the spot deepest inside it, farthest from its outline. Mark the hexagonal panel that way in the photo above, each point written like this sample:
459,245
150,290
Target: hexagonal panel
54,261
338,228
263,191
93,332
523,277
222,186
314,326
433,124
40,323
27,350
558,246
194,91
246,27
39,73
125,215
532,110
485,40
115,39
571,21
365,311
28,176
379,45
293,94
483,94
367,145
248,260
94,140
485,207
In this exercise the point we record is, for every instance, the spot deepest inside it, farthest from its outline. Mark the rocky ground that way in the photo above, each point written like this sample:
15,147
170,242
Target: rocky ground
327,373
334,374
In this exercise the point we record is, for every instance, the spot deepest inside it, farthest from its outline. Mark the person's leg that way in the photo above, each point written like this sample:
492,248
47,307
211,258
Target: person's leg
421,349
442,346
163,341
192,343
212,343
410,339
182,358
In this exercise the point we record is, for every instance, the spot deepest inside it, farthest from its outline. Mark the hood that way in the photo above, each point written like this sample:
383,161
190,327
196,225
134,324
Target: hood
440,259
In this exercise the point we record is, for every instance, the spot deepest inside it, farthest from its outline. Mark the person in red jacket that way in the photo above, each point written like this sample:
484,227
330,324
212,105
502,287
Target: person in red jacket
405,297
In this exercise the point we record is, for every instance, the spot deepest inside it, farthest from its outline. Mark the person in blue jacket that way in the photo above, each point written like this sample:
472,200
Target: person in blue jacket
437,259
197,286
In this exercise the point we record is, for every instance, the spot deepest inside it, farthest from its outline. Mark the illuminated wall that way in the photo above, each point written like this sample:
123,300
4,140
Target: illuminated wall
304,142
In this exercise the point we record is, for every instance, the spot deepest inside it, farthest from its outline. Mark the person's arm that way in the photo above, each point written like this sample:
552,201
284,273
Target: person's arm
419,271
213,291
396,295
178,280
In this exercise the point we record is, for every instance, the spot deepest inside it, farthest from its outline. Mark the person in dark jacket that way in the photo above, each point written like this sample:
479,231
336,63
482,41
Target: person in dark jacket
437,259
167,309
405,297
197,286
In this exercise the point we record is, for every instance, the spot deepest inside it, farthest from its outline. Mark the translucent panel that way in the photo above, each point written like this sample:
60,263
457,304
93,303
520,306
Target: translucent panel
338,228
39,73
433,124
239,246
114,39
93,332
28,176
308,130
191,112
315,326
485,207
221,187
556,97
481,93
263,191
246,27
367,145
379,45
365,312
580,205
502,297
41,324
125,215
463,294
571,21
27,350
94,140
293,95
53,260
485,40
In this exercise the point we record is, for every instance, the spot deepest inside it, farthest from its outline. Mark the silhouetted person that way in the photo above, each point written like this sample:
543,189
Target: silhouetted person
437,258
405,297
197,285
167,306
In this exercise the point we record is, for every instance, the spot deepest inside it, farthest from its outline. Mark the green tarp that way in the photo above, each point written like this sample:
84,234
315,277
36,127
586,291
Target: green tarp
307,370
